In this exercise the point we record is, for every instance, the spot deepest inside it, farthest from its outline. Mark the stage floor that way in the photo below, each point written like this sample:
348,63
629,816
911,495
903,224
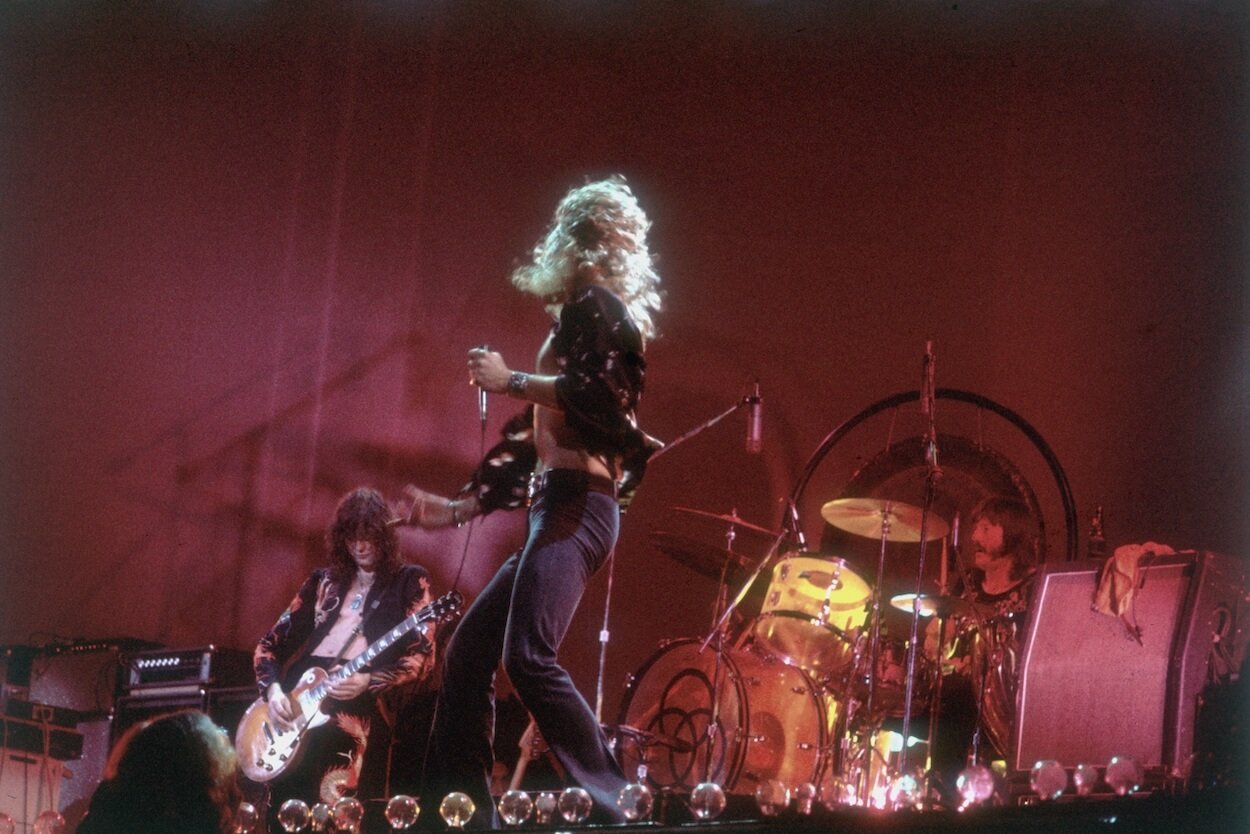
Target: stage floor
1222,810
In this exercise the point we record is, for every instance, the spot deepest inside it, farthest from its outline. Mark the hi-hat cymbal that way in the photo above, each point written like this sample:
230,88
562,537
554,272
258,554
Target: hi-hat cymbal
943,605
864,517
705,559
732,518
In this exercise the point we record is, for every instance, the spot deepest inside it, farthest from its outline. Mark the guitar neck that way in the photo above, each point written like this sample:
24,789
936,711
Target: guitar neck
380,645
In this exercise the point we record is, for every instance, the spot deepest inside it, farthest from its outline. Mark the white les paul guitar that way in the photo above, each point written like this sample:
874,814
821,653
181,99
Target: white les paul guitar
265,751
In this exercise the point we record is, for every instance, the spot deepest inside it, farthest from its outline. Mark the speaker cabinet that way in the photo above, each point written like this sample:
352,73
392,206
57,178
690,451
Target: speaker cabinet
29,784
83,774
86,681
225,706
1088,691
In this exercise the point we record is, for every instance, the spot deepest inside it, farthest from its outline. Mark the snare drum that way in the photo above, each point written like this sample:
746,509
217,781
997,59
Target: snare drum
814,607
770,721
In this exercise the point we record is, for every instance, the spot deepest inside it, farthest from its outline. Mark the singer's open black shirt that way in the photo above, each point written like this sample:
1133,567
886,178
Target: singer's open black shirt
602,371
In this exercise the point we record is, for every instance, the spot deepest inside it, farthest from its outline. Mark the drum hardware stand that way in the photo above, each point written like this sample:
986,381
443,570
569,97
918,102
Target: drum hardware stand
718,629
718,633
746,586
943,614
874,643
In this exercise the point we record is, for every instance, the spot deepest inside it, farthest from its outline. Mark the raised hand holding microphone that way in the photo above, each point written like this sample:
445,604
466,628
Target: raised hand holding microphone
487,371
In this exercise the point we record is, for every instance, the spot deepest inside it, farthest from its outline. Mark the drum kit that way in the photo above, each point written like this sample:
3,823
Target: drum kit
802,691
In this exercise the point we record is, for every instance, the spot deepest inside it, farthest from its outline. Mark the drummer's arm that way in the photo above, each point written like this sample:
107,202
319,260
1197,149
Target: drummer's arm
954,648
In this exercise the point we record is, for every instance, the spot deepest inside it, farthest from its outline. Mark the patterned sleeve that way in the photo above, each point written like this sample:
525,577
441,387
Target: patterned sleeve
287,634
501,480
417,657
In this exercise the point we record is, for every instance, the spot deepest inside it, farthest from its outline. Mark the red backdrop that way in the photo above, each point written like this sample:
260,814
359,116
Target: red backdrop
247,245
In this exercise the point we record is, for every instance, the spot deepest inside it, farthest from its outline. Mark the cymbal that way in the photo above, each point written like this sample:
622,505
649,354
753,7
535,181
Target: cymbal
732,518
864,516
705,559
944,605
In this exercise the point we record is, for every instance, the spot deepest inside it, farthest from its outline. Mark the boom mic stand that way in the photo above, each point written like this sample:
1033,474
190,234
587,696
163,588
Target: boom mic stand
747,400
927,397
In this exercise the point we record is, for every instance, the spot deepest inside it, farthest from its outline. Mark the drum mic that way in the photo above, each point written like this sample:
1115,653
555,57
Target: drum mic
926,381
755,407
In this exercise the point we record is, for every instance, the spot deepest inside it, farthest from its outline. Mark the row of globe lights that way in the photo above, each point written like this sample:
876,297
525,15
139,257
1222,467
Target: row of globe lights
975,785
1049,780
48,822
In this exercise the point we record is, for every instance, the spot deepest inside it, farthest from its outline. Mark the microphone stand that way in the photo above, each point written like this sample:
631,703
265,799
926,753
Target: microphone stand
930,487
747,400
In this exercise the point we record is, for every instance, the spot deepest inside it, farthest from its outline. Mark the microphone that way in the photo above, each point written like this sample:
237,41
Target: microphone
926,380
928,395
481,392
755,425
798,529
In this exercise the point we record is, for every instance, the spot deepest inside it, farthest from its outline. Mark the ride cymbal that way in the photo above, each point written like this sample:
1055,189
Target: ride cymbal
866,517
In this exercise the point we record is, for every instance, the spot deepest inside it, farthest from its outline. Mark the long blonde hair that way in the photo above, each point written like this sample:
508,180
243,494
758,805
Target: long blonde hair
598,235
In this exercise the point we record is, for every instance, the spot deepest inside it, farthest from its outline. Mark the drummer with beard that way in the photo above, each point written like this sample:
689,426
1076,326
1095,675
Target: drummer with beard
981,666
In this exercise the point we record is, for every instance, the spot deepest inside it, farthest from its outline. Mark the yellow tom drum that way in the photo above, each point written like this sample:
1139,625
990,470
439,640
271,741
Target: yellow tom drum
812,612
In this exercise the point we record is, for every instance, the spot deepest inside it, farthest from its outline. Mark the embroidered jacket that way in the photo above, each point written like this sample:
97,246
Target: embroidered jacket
599,352
316,607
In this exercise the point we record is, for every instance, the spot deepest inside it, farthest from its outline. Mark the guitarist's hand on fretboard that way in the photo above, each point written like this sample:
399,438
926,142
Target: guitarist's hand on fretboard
349,687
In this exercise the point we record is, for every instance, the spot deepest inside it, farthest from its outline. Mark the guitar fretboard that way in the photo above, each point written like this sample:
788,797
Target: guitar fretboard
351,667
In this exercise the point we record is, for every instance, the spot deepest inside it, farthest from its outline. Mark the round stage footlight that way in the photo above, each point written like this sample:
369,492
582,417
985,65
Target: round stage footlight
348,815
1048,779
51,822
245,817
975,785
1085,778
402,811
575,805
772,796
1124,775
456,809
515,807
804,796
545,806
707,801
294,815
635,801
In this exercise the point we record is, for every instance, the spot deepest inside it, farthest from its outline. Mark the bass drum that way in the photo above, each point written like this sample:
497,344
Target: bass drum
770,721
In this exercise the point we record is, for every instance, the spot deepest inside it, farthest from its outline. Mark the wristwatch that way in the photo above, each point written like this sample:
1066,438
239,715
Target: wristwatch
517,383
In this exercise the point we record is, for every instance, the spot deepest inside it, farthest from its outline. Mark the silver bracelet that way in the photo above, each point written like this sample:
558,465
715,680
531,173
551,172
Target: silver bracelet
455,516
517,383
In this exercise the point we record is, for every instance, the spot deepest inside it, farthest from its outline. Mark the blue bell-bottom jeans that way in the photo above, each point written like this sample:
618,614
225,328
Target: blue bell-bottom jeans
521,617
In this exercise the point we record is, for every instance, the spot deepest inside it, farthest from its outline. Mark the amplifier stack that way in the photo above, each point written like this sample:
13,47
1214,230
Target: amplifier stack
63,706
209,678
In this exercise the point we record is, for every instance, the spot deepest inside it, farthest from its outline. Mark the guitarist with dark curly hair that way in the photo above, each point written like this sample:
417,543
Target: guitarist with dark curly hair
317,733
